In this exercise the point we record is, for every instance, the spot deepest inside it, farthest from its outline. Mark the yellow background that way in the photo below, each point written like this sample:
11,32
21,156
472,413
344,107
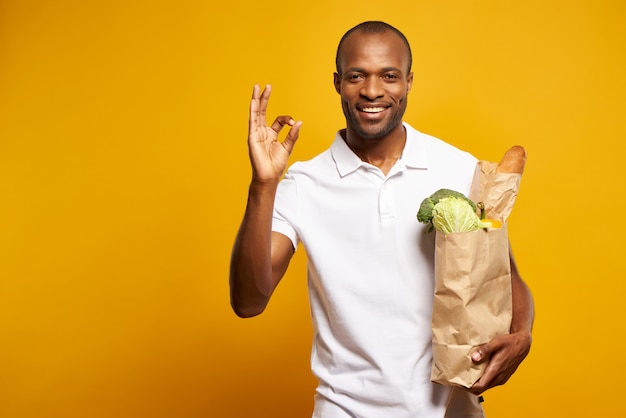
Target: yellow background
124,173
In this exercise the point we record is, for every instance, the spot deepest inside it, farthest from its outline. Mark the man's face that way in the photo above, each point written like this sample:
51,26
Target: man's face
374,83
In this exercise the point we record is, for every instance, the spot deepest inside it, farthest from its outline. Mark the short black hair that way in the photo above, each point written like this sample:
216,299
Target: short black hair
372,26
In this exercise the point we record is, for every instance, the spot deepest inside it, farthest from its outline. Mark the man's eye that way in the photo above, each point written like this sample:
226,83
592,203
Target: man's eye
390,77
355,77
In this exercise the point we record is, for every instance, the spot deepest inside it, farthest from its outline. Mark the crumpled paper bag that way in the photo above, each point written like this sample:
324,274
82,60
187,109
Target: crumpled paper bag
472,300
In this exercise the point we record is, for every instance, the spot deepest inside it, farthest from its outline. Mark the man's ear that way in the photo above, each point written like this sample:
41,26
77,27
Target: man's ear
337,81
409,82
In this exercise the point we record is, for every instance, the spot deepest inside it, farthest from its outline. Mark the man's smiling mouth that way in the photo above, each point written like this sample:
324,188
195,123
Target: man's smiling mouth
372,109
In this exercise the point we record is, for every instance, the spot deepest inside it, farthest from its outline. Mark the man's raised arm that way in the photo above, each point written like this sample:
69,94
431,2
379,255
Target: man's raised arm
260,257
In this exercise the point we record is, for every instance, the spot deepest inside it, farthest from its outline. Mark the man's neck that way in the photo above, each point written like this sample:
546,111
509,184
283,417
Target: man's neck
381,152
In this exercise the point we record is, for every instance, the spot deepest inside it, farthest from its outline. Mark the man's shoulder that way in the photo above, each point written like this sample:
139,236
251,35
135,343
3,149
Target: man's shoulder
432,140
436,149
319,162
316,163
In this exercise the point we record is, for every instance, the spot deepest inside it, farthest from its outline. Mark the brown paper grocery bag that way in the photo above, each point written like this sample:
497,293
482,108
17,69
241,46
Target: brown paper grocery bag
496,190
472,300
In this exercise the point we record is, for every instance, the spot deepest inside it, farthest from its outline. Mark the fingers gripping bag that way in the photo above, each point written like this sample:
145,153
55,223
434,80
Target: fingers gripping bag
472,298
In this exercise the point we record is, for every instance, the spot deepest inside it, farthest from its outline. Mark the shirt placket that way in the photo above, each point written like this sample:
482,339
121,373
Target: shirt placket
387,202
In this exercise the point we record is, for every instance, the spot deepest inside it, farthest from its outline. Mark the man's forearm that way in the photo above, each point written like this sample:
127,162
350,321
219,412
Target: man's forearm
251,281
523,304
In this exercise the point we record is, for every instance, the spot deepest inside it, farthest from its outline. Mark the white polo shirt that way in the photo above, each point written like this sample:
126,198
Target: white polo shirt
370,273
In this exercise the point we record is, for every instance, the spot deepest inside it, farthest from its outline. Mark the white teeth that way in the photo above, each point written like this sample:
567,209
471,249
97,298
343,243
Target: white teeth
373,109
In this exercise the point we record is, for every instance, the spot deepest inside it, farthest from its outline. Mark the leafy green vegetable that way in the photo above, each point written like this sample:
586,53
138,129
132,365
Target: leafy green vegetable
425,212
450,211
453,214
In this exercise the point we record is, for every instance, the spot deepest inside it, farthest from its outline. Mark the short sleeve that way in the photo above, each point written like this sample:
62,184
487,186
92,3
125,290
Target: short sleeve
284,219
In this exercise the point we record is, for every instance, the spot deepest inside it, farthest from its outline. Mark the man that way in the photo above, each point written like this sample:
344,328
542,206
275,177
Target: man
370,264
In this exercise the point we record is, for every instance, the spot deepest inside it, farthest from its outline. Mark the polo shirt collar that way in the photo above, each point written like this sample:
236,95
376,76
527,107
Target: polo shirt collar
414,154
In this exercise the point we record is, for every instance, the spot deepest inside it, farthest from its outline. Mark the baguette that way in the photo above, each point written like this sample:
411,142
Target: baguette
513,161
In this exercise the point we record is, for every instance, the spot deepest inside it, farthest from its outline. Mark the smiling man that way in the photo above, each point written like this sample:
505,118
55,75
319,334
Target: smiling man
374,97
370,265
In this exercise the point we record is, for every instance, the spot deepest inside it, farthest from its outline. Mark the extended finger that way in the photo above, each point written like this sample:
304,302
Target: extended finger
265,97
253,121
258,106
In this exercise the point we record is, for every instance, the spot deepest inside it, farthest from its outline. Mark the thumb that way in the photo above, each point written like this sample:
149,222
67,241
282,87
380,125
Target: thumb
483,352
292,136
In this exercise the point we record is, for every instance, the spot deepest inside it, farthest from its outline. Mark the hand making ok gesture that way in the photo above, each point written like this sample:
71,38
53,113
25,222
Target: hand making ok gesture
269,156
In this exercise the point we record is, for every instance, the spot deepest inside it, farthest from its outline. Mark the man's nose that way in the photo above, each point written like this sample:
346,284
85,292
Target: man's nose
372,88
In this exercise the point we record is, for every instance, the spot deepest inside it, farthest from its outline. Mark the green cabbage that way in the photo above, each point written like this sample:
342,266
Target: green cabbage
452,214
425,212
450,211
